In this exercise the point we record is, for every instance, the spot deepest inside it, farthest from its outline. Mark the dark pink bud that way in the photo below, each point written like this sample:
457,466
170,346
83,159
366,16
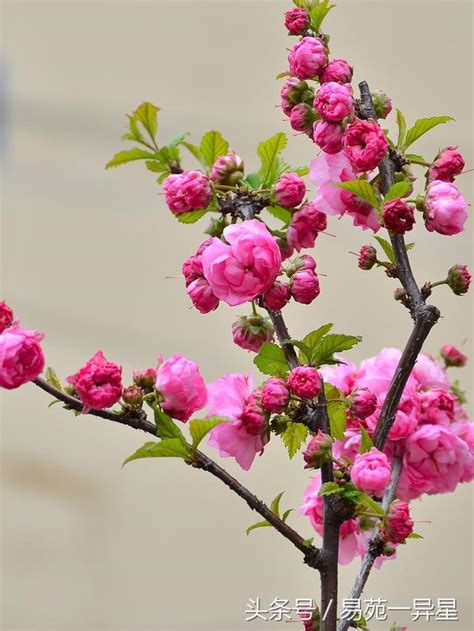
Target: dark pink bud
459,279
308,58
337,70
304,286
398,216
253,418
187,191
6,316
275,395
449,163
250,333
302,118
318,451
367,257
334,101
305,382
228,169
365,145
297,21
328,136
363,404
398,525
290,190
202,295
452,356
294,92
306,223
277,296
132,396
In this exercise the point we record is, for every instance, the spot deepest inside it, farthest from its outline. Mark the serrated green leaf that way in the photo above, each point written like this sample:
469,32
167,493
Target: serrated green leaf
336,407
147,115
200,428
305,354
301,171
318,13
399,189
192,216
414,535
371,504
329,488
312,339
253,180
157,167
260,524
168,448
166,427
129,155
213,145
361,188
196,152
324,350
283,214
402,129
387,248
366,443
422,126
294,436
268,152
52,379
271,360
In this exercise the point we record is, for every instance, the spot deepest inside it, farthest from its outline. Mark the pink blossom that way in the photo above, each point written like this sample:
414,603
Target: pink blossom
445,208
398,216
334,101
246,266
328,136
290,190
21,357
290,94
447,165
275,395
324,170
181,387
304,287
308,58
398,525
305,382
465,431
362,213
337,70
6,316
251,333
277,296
429,373
363,404
371,472
98,383
437,407
452,356
365,145
187,191
297,21
342,376
306,223
202,295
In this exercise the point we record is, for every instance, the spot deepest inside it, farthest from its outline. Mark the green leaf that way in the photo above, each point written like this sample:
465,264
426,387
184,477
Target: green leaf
260,524
157,167
399,189
333,343
122,157
253,180
52,379
275,505
371,504
286,514
283,214
192,216
294,436
361,188
166,427
387,248
282,75
415,157
301,171
168,448
196,152
422,126
414,535
318,13
213,145
311,340
268,152
271,360
329,488
306,352
336,407
147,115
200,428
178,140
409,246
366,443
402,129
54,402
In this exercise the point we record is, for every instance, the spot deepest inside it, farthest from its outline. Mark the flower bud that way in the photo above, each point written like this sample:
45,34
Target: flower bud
448,163
297,21
275,395
228,169
290,190
253,418
308,58
334,101
459,279
6,316
367,257
145,379
250,333
304,287
328,136
305,382
294,92
277,296
337,70
187,191
398,525
202,295
399,293
132,396
302,118
445,208
382,104
365,145
306,223
363,404
318,451
452,356
398,216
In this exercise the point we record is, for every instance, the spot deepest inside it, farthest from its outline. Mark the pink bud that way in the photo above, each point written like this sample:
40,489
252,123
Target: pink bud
308,58
398,524
6,316
447,165
145,379
277,296
228,169
187,191
98,383
290,190
132,396
306,223
250,333
452,356
398,216
459,279
202,295
302,118
445,208
328,136
304,287
294,92
382,104
297,21
365,145
318,451
253,418
299,263
367,257
371,472
21,357
305,382
334,101
337,70
275,395
363,404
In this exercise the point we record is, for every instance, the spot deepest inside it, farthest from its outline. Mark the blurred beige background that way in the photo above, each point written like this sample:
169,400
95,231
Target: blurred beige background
85,258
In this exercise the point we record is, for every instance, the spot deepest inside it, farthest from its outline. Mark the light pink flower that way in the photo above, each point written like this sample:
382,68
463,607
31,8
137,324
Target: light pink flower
324,170
334,101
437,407
447,165
181,387
275,395
187,191
21,357
308,58
328,136
290,190
306,223
429,373
365,145
246,266
6,316
342,376
305,382
337,70
446,208
98,383
465,431
371,472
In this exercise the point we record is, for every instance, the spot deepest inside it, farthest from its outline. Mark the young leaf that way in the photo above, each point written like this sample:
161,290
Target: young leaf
311,340
259,524
422,126
52,379
329,488
168,448
361,188
178,140
294,436
399,189
196,152
286,514
283,214
147,115
336,410
402,129
122,157
387,248
213,145
166,427
157,167
253,180
275,505
192,215
366,443
333,343
414,535
268,152
318,13
271,360
301,171
371,504
200,428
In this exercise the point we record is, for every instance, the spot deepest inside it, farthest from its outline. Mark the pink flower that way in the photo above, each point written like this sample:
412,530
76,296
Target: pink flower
290,190
459,279
181,387
337,70
367,257
334,101
98,383
277,296
434,462
21,357
452,356
371,472
275,395
324,170
252,418
382,104
429,373
202,295
363,404
305,382
398,216
304,287
228,169
447,165
306,223
445,208
399,525
302,118
328,136
246,266
6,316
318,450
308,58
187,191
343,376
365,145
297,21
437,407
251,333
465,431
228,396
362,213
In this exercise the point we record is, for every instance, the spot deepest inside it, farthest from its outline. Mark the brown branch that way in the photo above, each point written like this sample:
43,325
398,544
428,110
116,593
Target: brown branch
312,555
282,336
